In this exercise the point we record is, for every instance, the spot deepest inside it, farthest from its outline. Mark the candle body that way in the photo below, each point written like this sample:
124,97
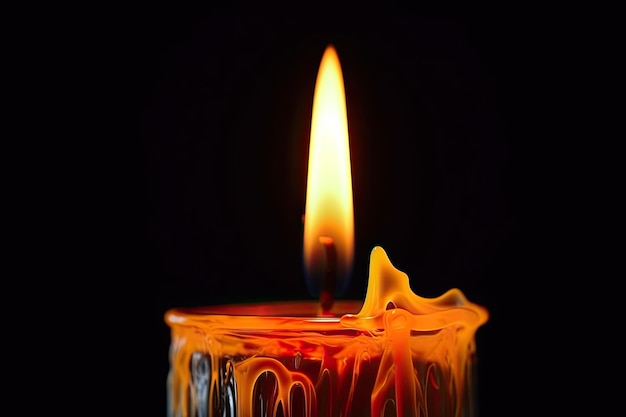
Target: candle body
395,354
296,366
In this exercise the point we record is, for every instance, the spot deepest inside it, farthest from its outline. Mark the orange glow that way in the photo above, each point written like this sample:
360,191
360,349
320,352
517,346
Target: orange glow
329,214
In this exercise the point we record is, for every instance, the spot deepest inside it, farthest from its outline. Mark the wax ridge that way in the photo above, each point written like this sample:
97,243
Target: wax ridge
390,286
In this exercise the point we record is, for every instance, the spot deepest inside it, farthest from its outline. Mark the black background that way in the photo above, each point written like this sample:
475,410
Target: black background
461,144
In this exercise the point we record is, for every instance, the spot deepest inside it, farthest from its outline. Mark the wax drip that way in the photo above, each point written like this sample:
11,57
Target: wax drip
392,310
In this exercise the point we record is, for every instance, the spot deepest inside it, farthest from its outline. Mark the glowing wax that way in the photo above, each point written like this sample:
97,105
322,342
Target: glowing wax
395,354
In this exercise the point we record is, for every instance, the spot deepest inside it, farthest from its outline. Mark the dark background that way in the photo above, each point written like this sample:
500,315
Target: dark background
461,150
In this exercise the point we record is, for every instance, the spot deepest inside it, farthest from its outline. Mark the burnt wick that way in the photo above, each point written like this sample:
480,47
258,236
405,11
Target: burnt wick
329,278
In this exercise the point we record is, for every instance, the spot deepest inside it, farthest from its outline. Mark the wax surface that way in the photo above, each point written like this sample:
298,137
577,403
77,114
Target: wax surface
399,355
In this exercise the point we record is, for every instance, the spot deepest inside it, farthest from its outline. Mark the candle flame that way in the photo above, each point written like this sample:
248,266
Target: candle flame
329,214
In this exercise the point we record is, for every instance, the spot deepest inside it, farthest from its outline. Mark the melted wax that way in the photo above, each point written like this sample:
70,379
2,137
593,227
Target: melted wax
400,355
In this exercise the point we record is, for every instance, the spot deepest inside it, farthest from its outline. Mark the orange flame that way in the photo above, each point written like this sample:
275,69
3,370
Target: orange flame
329,214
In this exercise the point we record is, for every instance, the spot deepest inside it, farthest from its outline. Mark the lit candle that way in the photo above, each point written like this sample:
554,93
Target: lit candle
396,353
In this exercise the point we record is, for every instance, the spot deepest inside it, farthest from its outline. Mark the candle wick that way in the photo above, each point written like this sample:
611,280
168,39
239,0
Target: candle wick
329,278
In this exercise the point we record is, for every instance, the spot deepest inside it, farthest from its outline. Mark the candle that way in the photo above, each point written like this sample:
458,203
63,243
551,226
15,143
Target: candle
395,353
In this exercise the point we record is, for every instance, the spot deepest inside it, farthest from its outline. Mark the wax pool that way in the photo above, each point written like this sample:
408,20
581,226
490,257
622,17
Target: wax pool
395,354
